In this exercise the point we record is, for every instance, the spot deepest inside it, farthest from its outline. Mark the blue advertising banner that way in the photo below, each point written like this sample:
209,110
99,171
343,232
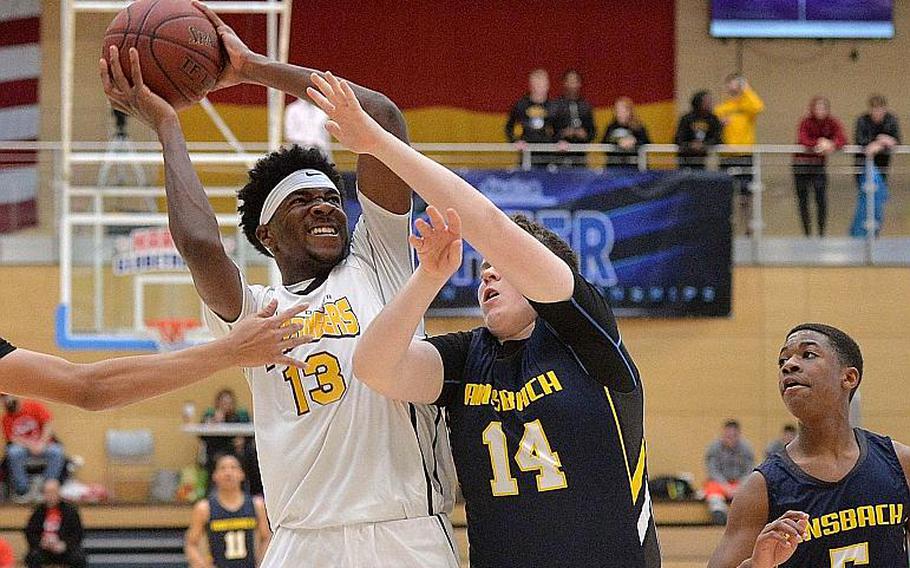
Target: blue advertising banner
657,243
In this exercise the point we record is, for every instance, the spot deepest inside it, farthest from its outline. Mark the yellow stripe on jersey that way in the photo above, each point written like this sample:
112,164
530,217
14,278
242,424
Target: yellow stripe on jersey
235,524
622,442
639,475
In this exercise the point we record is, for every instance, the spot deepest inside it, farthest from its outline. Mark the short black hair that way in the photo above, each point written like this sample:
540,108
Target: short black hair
549,239
221,455
731,423
846,347
266,174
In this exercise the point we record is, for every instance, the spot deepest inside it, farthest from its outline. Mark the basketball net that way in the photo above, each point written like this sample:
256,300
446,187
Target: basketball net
170,333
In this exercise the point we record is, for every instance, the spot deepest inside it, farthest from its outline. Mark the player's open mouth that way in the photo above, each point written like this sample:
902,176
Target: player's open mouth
323,231
489,294
793,385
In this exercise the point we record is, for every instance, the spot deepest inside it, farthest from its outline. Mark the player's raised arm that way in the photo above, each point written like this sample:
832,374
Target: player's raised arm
388,359
191,218
374,179
259,339
537,273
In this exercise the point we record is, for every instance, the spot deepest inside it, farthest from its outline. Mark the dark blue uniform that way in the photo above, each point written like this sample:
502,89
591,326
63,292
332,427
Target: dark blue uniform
5,348
232,534
859,520
547,436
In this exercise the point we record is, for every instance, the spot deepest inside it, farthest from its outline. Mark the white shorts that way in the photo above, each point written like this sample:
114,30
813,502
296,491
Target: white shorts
424,542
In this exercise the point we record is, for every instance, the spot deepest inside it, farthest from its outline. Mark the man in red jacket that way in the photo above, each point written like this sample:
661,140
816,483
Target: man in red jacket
28,427
821,134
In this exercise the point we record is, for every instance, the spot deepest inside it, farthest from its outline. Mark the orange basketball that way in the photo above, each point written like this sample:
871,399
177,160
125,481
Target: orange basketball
179,50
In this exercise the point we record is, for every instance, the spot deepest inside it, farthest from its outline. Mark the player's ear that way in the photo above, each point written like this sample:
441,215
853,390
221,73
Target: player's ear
265,237
850,378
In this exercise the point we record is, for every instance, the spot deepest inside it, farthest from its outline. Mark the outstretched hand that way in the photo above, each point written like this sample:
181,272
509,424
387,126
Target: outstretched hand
266,337
439,244
134,99
778,540
348,122
239,55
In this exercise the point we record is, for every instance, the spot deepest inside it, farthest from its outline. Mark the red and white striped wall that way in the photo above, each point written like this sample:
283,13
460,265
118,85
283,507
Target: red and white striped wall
20,68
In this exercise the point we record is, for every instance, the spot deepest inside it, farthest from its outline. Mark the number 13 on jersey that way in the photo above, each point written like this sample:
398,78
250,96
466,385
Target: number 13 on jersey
330,385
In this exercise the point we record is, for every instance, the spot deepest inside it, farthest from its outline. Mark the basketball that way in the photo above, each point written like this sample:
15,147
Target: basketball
179,49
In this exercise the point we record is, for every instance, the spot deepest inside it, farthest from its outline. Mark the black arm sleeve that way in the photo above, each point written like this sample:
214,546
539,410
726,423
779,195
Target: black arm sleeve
6,348
453,348
861,132
587,325
587,119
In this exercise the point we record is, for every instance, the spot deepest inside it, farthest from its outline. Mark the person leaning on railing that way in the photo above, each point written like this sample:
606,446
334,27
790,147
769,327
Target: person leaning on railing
698,130
821,134
878,132
626,132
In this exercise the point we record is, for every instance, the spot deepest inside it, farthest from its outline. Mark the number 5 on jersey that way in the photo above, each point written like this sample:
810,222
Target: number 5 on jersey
330,385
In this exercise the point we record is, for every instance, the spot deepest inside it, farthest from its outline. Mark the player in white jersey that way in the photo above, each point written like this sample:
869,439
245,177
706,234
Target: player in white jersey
350,478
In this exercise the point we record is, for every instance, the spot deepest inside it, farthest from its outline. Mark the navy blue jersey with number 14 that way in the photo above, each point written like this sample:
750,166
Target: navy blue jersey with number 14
547,436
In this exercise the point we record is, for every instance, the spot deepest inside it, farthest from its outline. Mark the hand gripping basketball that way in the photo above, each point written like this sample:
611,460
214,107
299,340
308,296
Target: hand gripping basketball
239,55
135,99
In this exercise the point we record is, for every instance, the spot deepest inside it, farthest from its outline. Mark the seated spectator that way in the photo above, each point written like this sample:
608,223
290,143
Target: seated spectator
533,114
54,532
729,460
697,131
573,120
28,427
877,132
787,435
7,558
821,134
627,132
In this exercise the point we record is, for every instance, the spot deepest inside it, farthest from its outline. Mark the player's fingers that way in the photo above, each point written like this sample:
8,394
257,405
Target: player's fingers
453,220
209,13
332,128
795,515
436,219
290,361
135,68
290,312
349,93
319,100
332,80
415,241
269,309
453,251
105,76
296,341
323,85
423,228
117,72
118,106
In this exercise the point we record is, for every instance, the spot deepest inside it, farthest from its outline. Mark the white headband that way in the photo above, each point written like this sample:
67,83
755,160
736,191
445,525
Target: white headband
301,179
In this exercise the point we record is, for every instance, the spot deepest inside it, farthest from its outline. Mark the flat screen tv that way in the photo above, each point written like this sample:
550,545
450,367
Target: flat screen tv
845,19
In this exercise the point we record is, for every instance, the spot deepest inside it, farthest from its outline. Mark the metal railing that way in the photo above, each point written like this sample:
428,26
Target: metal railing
470,155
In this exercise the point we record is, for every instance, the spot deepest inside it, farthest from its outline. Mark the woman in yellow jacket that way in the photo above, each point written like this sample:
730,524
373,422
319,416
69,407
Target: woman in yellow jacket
738,114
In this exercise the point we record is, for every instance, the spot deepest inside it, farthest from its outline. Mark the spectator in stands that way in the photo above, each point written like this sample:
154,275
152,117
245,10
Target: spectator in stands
738,114
697,131
821,134
729,460
28,427
534,114
54,532
225,410
786,436
573,119
304,125
7,558
877,132
627,132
